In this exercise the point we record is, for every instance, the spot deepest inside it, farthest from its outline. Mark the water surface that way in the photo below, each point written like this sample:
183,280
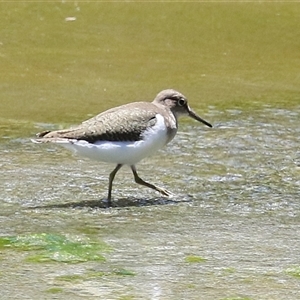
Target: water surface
230,230
236,206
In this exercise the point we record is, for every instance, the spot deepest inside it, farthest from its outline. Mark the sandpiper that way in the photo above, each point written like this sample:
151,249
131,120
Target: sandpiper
126,134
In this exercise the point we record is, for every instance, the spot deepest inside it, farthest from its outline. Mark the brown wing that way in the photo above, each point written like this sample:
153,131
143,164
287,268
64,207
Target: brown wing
123,123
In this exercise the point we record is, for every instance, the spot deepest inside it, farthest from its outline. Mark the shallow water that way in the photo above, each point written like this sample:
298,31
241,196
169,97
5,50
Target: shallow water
236,209
231,229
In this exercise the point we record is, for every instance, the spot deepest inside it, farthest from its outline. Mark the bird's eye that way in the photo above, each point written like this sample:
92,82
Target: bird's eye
181,102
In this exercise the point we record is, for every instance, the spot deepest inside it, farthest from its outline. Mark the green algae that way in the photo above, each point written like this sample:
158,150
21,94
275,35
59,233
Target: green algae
293,271
92,275
46,247
55,290
194,259
70,278
236,298
123,272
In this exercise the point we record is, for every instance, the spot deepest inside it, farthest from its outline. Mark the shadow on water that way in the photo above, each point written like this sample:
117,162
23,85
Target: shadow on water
122,202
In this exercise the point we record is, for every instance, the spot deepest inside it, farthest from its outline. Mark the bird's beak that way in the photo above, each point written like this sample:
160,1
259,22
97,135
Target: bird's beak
196,117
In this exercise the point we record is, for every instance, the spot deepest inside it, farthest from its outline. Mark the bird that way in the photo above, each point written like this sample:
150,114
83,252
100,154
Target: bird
126,134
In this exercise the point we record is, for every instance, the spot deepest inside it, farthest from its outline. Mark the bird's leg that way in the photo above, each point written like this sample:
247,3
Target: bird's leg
139,180
111,179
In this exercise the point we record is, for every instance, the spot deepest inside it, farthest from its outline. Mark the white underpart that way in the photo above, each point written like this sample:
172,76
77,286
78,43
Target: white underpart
128,153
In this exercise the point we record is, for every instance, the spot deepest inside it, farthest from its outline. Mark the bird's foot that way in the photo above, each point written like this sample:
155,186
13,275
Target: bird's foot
165,192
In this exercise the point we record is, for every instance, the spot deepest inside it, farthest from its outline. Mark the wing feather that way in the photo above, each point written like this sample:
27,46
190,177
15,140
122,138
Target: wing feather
124,123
